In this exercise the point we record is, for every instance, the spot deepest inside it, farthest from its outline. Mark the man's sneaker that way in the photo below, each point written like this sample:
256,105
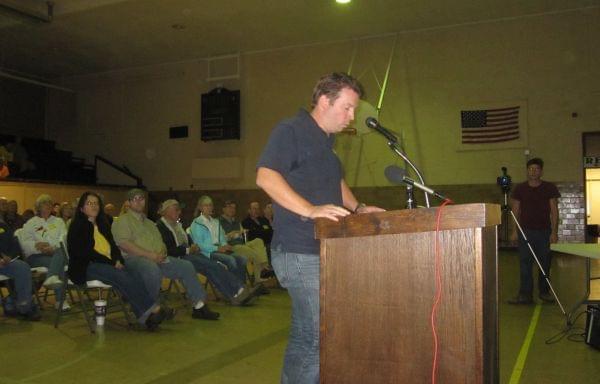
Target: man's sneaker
52,282
267,274
32,315
546,297
153,321
262,290
521,300
246,296
65,307
9,307
205,313
167,313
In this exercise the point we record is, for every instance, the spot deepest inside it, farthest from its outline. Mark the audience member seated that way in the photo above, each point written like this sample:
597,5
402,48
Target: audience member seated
254,250
124,208
12,218
3,206
177,243
208,234
145,253
20,273
4,171
259,227
41,236
65,212
55,210
268,213
20,157
93,255
27,215
5,154
110,210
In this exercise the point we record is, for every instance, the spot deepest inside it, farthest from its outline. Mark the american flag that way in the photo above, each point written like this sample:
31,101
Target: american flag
490,125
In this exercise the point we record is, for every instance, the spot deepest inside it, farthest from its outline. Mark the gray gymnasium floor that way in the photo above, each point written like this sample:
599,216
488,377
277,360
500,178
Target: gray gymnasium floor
247,345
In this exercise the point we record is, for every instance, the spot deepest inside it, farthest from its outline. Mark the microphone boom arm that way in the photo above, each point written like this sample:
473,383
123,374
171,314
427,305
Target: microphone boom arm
394,147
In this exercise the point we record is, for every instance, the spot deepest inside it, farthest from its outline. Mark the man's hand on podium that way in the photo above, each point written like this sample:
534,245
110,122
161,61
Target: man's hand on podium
369,209
329,211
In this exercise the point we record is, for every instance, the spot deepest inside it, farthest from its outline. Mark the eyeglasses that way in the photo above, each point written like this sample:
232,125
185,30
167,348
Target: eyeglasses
139,198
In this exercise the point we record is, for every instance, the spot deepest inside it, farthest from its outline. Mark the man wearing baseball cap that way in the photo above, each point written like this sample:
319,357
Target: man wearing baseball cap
145,252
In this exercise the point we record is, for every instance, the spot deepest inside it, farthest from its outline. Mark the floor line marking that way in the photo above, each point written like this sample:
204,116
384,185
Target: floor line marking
515,377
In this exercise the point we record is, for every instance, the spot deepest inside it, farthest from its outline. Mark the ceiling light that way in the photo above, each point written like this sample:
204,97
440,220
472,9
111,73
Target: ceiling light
343,1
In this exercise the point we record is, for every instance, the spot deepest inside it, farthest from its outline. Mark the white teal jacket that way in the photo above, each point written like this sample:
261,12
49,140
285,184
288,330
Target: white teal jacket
207,234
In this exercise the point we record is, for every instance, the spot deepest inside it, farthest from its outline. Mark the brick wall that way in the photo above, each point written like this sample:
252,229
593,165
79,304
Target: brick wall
571,212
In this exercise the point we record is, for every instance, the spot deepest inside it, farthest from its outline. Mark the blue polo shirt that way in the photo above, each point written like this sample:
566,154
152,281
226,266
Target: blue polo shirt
303,154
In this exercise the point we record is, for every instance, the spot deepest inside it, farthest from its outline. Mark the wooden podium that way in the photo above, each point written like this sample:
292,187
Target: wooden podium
377,292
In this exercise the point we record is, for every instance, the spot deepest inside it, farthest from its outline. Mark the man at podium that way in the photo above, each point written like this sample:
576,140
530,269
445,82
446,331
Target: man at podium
300,172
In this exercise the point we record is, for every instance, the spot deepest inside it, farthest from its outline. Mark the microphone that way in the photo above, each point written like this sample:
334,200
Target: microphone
397,175
372,123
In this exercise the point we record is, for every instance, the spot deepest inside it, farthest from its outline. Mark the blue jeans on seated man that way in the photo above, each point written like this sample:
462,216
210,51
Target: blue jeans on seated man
223,280
20,272
236,264
55,264
299,273
127,284
152,273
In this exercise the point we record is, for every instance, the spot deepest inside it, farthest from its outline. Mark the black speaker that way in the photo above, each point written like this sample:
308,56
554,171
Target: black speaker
179,132
220,115
592,326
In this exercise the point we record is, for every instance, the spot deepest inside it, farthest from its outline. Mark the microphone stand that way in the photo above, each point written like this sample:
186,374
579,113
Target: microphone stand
394,147
410,198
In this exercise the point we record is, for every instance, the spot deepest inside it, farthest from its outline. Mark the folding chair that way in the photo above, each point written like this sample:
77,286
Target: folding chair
85,301
4,284
38,274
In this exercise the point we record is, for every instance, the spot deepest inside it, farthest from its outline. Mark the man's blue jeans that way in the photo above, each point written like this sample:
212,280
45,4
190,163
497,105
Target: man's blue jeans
173,268
55,264
299,273
223,280
236,264
128,284
540,242
20,272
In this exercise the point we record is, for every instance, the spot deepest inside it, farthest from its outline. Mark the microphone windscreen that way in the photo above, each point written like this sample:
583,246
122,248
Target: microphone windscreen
371,122
395,174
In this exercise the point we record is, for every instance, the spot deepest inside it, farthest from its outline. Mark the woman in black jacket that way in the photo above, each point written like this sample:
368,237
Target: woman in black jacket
93,255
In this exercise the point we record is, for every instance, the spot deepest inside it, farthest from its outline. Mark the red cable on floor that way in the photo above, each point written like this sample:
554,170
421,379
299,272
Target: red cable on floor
438,289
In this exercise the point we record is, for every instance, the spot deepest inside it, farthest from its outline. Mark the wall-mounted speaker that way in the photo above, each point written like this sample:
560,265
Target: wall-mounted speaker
220,115
179,132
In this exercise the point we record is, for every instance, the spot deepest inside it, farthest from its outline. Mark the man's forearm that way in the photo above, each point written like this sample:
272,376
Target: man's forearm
348,198
273,183
132,249
554,216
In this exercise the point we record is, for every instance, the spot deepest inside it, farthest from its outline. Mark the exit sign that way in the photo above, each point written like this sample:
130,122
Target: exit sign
591,162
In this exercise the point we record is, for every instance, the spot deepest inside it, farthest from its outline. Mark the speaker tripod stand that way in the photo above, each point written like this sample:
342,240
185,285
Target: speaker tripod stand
535,257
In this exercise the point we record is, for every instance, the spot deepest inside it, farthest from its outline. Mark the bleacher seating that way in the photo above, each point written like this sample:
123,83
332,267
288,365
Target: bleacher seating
52,163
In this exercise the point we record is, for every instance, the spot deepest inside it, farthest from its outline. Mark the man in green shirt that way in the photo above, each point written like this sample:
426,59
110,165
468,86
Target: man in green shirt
145,253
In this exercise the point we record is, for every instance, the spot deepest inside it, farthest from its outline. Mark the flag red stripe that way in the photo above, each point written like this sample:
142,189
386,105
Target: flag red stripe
490,136
503,123
503,109
497,119
495,130
485,141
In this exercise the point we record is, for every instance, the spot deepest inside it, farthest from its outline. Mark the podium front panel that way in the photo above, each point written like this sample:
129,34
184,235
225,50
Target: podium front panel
377,293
